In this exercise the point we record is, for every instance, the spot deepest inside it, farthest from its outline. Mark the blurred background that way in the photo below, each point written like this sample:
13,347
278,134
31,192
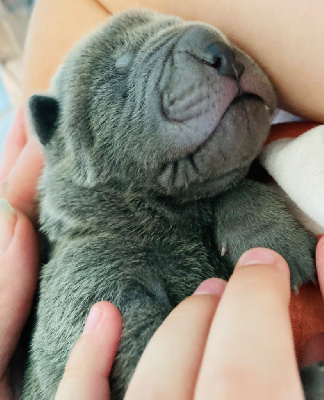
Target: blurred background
14,17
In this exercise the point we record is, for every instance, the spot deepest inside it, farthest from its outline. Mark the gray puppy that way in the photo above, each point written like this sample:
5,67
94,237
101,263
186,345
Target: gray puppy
149,133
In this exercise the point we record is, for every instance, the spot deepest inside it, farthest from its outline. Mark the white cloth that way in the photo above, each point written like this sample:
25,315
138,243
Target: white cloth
297,165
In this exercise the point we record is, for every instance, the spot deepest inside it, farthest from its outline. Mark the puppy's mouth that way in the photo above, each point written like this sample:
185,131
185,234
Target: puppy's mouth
243,96
194,96
193,115
243,100
210,124
225,155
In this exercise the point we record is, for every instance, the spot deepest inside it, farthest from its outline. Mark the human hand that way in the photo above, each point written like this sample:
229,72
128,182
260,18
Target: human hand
21,164
314,349
89,365
236,344
20,168
236,347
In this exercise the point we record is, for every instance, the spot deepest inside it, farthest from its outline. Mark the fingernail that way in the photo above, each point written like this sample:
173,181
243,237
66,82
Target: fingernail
8,219
92,321
213,286
258,256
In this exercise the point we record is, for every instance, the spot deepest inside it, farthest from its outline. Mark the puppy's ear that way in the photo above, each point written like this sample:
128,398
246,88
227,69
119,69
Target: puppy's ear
44,112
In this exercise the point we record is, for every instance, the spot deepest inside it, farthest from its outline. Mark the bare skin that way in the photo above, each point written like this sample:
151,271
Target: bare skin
54,27
286,38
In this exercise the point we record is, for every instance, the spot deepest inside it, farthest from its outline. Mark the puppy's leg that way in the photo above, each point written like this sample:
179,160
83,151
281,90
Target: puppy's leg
252,215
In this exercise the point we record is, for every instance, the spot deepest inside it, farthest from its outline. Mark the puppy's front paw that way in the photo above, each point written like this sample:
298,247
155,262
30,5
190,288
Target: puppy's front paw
292,242
252,215
298,249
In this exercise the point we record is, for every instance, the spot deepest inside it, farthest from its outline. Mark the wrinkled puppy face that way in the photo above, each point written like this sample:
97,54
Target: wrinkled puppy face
158,103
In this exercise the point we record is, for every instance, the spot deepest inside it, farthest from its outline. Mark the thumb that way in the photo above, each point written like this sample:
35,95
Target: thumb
86,372
320,263
314,349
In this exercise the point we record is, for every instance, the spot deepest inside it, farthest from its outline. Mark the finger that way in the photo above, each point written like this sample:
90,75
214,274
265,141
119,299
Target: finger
169,365
320,263
249,352
314,349
18,277
88,367
20,188
14,144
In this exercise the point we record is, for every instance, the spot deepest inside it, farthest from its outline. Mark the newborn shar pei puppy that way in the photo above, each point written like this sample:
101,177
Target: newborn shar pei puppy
149,131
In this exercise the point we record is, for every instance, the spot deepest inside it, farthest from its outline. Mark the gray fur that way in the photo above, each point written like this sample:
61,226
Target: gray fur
145,182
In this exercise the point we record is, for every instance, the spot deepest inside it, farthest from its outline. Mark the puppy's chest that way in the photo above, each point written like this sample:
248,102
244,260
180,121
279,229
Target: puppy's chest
182,263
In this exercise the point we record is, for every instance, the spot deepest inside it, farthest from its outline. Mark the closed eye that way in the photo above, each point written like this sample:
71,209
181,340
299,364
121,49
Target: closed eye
124,61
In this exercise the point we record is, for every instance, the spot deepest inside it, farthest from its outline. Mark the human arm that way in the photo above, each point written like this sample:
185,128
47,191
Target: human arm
54,27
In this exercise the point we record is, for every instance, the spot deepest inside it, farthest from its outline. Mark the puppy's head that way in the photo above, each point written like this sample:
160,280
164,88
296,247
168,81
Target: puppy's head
156,103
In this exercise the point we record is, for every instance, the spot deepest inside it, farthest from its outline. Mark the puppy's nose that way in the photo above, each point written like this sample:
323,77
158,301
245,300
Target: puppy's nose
221,57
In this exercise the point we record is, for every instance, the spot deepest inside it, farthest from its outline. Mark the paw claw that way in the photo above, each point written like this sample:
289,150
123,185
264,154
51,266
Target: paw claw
224,250
296,290
314,280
